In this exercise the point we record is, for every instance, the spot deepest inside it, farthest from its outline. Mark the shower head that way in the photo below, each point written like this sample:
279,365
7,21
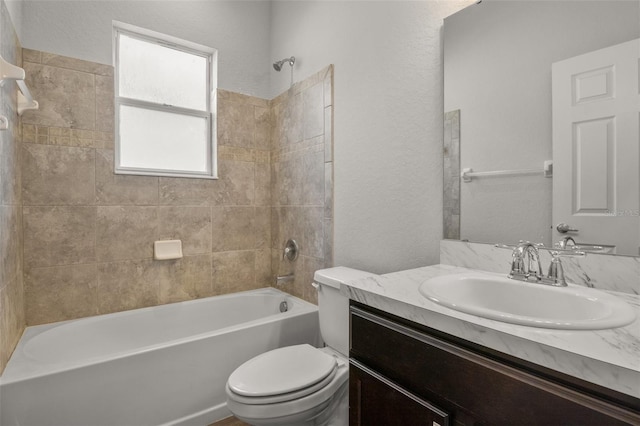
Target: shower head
278,65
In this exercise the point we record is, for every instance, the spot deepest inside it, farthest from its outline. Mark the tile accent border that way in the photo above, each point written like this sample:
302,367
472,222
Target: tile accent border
451,175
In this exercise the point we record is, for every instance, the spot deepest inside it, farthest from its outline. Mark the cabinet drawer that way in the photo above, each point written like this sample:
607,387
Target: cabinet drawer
370,394
458,379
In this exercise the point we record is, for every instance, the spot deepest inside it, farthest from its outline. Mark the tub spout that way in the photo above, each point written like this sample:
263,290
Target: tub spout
281,279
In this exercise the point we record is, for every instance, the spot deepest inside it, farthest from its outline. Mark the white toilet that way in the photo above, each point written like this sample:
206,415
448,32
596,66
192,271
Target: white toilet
301,385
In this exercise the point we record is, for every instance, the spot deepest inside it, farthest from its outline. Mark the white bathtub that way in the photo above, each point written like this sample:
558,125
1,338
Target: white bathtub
165,365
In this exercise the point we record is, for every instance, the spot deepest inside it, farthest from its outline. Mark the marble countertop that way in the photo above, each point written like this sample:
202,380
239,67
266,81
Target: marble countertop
610,358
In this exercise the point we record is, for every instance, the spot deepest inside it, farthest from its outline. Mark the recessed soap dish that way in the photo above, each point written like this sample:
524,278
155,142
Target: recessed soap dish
167,249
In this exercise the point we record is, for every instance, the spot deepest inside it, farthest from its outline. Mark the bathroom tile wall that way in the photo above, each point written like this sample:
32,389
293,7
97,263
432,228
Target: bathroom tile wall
302,180
11,284
88,233
451,170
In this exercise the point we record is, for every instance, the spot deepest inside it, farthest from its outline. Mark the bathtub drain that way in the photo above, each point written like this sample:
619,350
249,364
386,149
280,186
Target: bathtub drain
283,306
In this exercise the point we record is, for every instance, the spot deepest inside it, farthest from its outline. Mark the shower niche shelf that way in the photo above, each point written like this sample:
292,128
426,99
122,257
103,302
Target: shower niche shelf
9,71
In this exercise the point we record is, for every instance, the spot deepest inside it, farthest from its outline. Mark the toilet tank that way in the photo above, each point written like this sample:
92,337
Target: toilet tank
333,307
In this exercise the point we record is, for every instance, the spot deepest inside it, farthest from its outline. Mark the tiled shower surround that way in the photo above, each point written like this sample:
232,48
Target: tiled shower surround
88,233
12,318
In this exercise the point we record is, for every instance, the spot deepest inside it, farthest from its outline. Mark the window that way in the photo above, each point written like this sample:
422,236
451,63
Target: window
164,104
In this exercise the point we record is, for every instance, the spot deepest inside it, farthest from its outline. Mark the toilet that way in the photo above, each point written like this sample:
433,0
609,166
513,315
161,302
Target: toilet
301,385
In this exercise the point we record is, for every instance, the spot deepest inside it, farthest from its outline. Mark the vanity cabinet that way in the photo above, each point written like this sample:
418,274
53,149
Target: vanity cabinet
402,373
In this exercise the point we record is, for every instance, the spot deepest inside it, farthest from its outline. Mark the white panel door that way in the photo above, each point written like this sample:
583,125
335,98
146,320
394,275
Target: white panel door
596,147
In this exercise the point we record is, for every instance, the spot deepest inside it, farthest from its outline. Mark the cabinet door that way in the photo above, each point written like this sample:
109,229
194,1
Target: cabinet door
462,381
375,401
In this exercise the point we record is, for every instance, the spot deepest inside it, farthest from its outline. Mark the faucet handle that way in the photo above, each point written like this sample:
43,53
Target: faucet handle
556,271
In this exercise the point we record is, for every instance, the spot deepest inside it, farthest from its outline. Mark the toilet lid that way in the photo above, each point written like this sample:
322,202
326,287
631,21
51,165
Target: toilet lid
281,371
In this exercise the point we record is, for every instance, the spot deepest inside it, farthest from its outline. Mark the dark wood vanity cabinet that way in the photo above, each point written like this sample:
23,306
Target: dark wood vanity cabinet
403,373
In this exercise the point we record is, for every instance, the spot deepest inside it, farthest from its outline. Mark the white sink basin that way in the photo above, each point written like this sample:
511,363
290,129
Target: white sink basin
537,305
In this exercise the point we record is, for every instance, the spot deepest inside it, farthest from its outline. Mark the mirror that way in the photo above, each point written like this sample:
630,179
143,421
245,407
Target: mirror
498,58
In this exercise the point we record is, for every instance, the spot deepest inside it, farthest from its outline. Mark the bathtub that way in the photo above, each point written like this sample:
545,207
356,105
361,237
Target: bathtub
164,365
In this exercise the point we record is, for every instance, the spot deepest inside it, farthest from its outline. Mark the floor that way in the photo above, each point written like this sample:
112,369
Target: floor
230,421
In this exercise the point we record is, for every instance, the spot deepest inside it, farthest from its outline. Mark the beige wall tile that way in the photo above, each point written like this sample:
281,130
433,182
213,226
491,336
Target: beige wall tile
262,116
12,318
299,177
303,224
328,134
277,124
192,225
104,103
264,277
184,279
5,270
312,177
11,244
58,235
75,64
103,140
125,232
234,228
328,190
285,224
113,189
262,227
281,267
236,183
313,102
328,242
29,55
242,98
294,120
233,271
60,293
10,172
310,266
312,231
236,124
127,285
55,175
262,184
187,192
226,152
5,316
66,98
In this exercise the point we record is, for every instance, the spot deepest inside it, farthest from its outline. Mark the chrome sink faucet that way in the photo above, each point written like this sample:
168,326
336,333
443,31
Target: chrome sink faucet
525,264
566,242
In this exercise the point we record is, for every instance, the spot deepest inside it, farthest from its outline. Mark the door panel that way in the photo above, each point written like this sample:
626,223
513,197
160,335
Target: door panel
596,153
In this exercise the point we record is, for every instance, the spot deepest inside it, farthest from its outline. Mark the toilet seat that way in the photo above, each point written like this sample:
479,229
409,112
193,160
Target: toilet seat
283,374
294,411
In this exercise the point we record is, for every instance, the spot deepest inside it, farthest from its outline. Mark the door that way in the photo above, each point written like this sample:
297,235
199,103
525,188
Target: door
596,154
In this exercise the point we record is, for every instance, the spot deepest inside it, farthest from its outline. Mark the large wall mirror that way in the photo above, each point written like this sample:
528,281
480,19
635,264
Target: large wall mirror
509,66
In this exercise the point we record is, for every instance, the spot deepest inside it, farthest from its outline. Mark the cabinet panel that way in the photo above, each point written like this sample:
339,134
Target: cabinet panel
466,382
371,395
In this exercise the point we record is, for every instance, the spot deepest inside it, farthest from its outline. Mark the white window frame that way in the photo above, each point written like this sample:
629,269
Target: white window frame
210,114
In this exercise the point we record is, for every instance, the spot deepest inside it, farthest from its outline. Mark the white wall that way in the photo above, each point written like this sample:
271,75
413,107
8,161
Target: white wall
15,11
388,120
82,29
